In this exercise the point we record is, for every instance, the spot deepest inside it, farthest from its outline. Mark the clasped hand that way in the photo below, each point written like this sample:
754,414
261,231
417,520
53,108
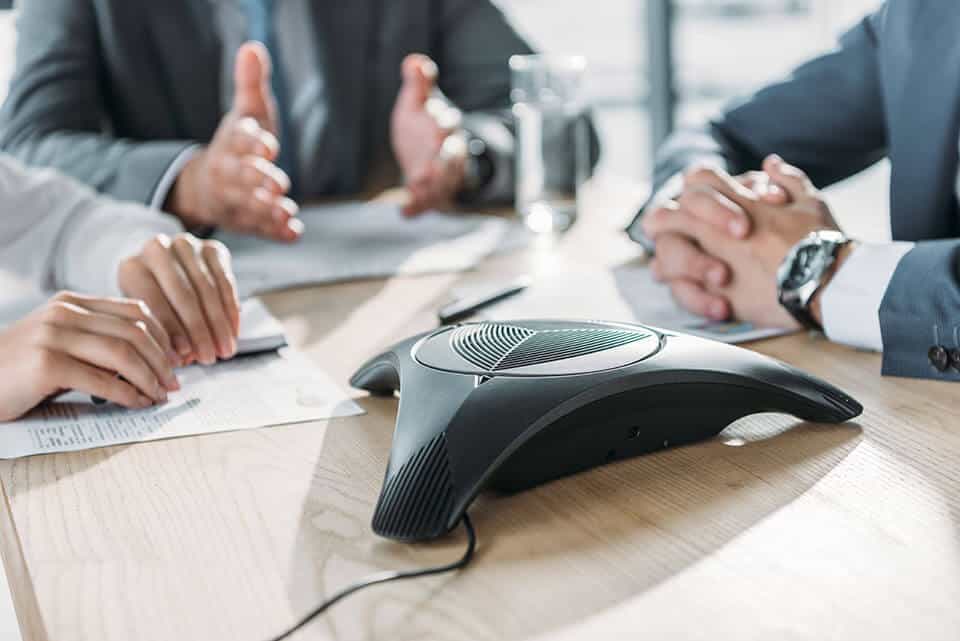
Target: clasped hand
720,242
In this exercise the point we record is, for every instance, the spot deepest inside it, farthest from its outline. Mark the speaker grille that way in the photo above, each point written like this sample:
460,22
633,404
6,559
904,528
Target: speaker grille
497,346
485,345
416,502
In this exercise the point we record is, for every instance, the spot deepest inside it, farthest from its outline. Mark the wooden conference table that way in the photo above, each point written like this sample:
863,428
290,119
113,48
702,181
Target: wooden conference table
774,530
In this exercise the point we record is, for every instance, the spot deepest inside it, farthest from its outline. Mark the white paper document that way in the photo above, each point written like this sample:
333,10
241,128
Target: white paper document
275,388
626,293
259,330
367,240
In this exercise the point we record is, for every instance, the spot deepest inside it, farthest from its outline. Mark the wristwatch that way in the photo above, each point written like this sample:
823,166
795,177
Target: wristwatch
478,168
803,271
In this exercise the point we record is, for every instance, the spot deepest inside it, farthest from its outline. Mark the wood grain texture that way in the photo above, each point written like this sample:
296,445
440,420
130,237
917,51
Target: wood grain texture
774,530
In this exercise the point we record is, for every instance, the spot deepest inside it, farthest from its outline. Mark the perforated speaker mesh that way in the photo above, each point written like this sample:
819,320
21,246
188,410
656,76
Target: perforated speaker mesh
497,347
417,500
487,344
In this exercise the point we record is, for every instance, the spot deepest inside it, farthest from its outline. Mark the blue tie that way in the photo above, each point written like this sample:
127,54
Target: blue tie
261,28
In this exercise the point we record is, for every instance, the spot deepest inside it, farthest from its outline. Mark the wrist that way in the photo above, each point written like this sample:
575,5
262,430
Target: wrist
183,199
816,303
478,168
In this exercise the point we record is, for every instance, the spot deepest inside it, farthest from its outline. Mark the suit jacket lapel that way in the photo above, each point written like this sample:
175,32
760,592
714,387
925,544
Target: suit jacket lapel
922,57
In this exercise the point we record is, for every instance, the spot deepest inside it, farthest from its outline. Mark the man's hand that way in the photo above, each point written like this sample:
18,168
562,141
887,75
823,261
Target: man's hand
680,261
753,260
428,147
233,182
189,286
82,343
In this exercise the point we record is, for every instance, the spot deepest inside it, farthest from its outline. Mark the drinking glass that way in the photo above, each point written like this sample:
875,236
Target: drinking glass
552,139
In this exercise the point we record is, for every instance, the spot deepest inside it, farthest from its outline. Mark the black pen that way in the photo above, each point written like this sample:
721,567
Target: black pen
464,308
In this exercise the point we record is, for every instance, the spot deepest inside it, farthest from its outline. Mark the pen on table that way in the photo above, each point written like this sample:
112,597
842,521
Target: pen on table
466,307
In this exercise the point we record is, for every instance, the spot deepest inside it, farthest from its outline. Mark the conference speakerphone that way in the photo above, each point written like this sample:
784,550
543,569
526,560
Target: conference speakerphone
510,405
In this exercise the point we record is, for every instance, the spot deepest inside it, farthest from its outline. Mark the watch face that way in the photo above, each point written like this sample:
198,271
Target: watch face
810,260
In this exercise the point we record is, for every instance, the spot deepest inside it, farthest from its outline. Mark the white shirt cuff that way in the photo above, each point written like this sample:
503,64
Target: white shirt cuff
100,238
851,302
170,176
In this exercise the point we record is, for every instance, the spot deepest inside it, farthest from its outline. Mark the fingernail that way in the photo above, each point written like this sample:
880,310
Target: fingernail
173,358
718,311
715,275
182,345
173,384
776,159
429,68
143,401
737,227
295,225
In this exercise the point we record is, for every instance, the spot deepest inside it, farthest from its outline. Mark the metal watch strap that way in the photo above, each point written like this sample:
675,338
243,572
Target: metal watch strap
800,310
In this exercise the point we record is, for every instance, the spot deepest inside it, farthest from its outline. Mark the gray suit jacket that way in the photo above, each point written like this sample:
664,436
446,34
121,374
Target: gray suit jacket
891,88
111,91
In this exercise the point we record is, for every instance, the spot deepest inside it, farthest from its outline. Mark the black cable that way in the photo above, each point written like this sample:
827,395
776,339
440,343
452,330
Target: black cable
386,577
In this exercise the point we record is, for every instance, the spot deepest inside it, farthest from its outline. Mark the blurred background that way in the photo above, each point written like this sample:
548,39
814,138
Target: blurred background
710,51
721,49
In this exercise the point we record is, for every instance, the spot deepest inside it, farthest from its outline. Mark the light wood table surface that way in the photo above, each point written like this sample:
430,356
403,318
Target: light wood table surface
777,529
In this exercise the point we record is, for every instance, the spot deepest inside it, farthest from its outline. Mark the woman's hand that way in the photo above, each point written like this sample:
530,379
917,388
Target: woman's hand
112,348
189,285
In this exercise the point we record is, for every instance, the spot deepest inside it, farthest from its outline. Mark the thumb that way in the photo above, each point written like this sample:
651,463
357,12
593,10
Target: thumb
252,95
789,178
419,79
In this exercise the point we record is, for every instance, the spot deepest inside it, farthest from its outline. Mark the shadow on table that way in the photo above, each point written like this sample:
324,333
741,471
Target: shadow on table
556,554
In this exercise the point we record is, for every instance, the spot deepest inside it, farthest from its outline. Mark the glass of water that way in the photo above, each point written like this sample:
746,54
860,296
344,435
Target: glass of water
553,139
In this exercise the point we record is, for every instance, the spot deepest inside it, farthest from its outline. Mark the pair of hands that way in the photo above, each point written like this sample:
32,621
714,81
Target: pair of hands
234,182
183,308
721,241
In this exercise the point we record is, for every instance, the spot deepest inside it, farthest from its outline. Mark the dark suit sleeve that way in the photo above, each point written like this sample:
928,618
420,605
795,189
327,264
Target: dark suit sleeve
826,118
473,42
921,309
54,115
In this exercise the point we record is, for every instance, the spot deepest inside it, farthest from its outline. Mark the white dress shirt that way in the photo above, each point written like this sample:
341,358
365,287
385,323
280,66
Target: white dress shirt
56,233
851,302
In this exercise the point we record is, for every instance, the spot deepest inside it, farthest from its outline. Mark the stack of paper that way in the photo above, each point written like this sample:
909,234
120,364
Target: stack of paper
263,389
626,293
367,240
